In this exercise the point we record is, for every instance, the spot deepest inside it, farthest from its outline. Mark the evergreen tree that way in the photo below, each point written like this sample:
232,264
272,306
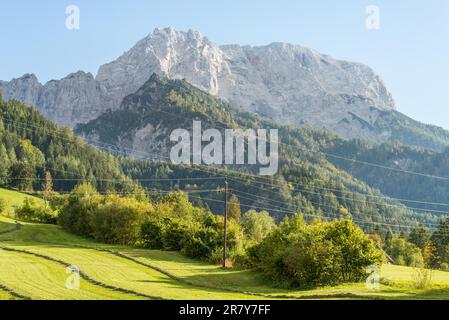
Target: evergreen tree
234,211
4,165
419,236
47,186
388,239
440,242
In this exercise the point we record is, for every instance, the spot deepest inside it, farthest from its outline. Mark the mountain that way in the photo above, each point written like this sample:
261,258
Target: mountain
281,82
30,145
284,82
75,99
306,181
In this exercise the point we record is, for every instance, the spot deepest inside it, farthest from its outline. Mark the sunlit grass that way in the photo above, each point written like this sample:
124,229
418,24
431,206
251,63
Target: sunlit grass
165,274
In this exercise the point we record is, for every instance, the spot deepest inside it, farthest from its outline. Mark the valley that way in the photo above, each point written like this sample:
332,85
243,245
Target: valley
185,169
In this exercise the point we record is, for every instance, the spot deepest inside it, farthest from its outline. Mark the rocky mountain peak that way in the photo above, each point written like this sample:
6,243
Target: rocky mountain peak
280,81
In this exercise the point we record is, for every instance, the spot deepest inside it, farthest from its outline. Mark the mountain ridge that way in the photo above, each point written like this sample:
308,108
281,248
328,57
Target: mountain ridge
282,82
140,130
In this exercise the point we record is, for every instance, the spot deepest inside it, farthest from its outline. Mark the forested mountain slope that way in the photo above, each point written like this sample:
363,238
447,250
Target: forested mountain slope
306,181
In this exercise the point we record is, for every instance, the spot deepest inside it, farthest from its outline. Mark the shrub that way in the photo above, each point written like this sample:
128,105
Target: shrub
3,205
111,219
173,236
216,257
195,240
421,278
318,254
194,247
201,243
31,212
241,261
355,250
257,225
76,213
151,235
405,253
119,220
311,261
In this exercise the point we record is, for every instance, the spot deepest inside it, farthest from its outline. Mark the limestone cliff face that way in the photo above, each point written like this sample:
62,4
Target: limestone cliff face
283,82
77,98
280,81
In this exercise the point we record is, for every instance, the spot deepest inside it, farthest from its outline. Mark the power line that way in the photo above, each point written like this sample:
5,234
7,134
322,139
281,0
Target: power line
160,156
360,201
327,154
338,156
115,180
310,215
365,195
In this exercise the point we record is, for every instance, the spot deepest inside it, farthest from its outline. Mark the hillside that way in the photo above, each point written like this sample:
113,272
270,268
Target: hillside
30,145
33,259
428,190
14,198
306,182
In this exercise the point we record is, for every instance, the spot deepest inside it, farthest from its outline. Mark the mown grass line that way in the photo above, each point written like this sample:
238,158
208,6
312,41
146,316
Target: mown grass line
345,295
16,228
82,274
215,288
189,283
162,271
14,294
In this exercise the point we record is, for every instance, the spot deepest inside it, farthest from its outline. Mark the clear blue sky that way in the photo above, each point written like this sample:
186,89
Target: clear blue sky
410,51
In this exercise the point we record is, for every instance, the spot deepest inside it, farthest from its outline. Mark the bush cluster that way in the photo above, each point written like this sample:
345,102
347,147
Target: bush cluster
171,223
320,253
294,252
110,219
29,211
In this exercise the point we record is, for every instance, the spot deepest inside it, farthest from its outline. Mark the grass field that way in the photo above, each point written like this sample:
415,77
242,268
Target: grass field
34,258
15,199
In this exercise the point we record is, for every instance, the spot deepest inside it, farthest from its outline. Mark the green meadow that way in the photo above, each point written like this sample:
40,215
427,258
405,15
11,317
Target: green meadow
34,259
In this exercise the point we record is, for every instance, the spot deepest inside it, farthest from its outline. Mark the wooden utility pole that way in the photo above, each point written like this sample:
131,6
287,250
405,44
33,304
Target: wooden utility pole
45,184
225,223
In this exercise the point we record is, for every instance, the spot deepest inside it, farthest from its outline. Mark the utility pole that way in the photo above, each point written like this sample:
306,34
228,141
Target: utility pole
45,184
225,223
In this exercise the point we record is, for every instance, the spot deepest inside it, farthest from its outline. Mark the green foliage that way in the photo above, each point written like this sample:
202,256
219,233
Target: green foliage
234,211
438,251
29,143
151,235
3,205
77,211
421,278
194,242
202,242
172,223
110,219
419,236
5,163
174,235
257,225
118,220
31,212
405,253
320,253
